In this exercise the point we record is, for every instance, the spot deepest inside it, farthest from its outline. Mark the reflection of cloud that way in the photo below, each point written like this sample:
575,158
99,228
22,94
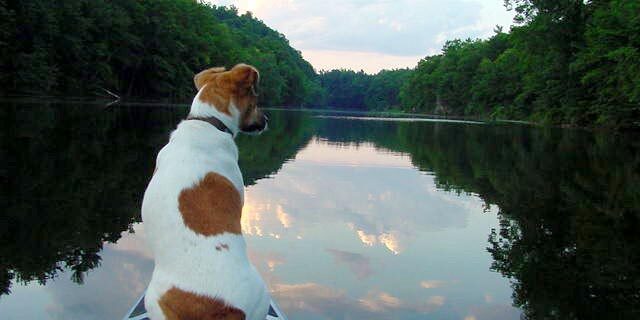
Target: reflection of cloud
133,242
488,298
436,301
432,284
493,312
382,198
272,264
313,298
361,155
265,262
251,217
391,242
283,217
107,292
309,297
357,263
380,301
375,208
259,218
432,304
367,239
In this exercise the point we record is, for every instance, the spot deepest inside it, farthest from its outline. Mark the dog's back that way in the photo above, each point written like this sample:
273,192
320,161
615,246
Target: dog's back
191,212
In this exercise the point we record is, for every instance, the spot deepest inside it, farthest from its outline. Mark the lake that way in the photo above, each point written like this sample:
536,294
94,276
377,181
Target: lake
345,217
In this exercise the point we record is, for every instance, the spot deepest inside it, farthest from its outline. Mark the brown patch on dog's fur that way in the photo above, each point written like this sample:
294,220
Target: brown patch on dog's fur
223,87
212,206
177,304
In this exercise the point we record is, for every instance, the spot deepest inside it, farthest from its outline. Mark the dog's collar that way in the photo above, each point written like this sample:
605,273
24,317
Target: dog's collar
214,122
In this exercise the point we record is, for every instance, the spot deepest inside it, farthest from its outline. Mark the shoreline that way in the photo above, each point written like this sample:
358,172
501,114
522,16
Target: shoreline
108,103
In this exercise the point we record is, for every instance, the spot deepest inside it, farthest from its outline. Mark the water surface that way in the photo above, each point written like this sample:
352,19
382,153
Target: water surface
345,218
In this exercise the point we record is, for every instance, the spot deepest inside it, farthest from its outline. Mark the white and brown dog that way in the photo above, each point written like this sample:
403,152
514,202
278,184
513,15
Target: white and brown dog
192,207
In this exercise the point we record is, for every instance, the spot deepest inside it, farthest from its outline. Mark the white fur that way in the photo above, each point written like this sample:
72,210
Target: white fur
203,109
184,259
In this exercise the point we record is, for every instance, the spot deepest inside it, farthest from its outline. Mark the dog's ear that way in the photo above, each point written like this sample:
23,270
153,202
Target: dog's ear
207,75
246,77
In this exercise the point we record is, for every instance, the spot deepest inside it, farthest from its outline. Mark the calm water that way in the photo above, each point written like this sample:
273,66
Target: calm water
345,218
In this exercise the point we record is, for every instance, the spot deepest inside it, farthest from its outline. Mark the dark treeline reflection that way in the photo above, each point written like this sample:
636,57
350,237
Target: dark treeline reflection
569,206
568,200
73,177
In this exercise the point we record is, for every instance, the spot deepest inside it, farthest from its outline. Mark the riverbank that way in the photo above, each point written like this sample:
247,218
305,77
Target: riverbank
109,102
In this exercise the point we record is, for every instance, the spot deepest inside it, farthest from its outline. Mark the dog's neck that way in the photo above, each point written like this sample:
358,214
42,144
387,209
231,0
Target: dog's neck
214,122
202,111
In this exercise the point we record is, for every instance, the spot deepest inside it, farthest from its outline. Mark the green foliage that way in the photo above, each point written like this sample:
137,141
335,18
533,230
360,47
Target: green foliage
610,65
141,49
384,88
347,89
569,62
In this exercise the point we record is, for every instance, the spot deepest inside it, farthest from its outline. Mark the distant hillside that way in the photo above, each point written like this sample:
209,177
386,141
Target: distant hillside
141,49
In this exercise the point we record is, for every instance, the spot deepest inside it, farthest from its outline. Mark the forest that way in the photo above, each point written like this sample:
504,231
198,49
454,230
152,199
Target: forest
568,62
146,50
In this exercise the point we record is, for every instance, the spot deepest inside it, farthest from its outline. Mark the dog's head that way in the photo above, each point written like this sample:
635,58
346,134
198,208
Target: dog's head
234,93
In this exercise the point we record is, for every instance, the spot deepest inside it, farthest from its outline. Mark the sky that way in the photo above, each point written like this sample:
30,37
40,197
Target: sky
371,35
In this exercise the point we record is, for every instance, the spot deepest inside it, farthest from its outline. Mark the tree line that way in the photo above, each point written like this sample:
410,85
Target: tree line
141,49
565,62
568,62
347,89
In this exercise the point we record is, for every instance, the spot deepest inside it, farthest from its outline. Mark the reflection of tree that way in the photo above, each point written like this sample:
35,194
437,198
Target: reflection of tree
569,207
264,155
75,179
75,176
570,240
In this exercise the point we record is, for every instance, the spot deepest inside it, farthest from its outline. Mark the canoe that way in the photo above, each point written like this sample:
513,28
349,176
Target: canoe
138,312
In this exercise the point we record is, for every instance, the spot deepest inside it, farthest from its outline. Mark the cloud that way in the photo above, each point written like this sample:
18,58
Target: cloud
375,34
369,62
357,263
402,27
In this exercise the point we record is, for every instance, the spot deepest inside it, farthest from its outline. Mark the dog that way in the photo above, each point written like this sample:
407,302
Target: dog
192,207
